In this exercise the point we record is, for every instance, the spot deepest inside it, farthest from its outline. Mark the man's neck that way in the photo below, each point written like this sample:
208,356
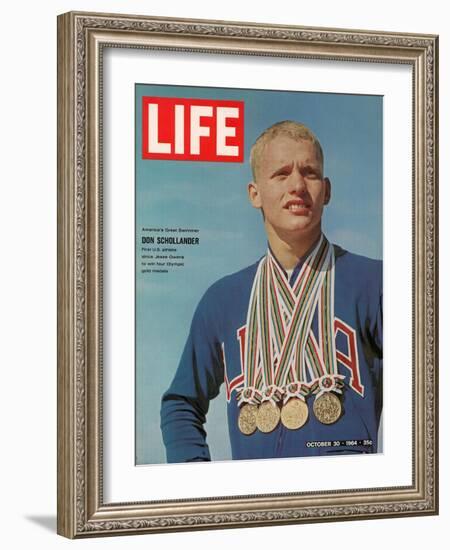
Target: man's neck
289,252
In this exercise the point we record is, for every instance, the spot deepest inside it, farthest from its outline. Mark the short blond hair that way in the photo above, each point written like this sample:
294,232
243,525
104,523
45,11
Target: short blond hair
288,128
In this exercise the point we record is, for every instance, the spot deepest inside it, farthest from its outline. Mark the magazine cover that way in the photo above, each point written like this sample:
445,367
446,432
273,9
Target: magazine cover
258,274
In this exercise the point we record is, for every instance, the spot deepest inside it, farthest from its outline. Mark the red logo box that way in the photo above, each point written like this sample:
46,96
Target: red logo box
192,129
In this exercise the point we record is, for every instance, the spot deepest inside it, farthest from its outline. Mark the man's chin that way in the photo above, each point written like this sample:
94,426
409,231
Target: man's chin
299,232
295,229
301,227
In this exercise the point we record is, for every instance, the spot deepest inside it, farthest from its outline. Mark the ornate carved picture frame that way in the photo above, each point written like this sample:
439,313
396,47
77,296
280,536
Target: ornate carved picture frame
88,44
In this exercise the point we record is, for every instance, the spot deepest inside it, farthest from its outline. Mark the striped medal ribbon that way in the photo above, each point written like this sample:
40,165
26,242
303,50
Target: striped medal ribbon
320,362
281,347
327,382
291,315
249,397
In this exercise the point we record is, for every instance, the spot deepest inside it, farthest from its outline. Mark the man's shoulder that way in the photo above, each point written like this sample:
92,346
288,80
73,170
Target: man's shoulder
239,281
358,265
227,293
342,254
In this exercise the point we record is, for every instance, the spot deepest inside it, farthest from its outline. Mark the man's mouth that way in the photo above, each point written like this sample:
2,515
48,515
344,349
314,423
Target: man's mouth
297,206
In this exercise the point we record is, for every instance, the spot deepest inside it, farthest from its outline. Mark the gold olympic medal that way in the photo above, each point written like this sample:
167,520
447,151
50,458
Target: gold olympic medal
294,413
247,419
268,417
327,408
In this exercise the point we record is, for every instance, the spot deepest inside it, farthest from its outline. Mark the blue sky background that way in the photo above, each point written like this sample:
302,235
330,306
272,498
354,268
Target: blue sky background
212,197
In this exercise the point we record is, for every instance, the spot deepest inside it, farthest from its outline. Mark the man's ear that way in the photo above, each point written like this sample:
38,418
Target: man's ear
253,194
327,190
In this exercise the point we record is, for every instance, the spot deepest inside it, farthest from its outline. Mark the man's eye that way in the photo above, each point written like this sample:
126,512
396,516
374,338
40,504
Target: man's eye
283,173
311,174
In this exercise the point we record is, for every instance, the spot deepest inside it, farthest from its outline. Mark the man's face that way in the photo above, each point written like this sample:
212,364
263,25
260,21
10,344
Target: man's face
290,188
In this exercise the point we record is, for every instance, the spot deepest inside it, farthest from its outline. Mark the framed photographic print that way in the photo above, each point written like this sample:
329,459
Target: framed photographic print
247,284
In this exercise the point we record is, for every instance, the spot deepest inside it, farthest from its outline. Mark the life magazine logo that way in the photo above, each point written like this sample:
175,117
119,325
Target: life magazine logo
192,129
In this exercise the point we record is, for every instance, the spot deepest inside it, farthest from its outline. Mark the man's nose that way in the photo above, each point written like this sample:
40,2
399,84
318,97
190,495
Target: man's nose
297,182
